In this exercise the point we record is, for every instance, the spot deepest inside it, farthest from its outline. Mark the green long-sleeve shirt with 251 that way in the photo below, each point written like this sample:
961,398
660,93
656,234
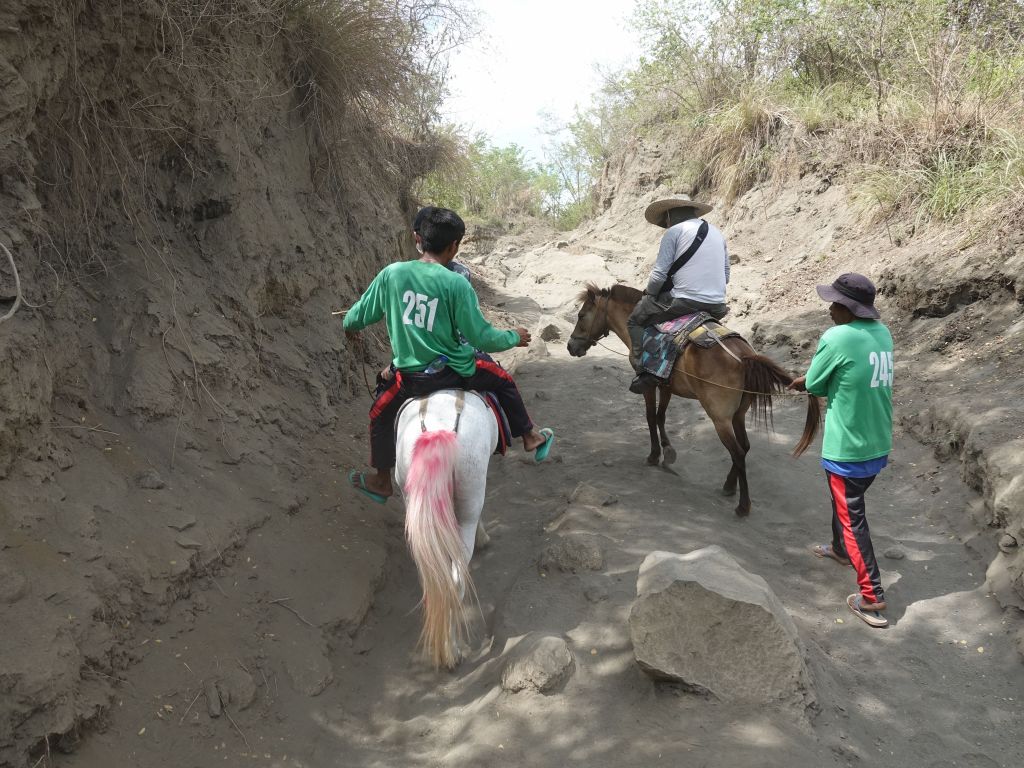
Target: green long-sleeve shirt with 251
425,305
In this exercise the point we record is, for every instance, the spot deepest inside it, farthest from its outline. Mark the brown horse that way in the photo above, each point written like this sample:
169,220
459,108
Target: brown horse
726,387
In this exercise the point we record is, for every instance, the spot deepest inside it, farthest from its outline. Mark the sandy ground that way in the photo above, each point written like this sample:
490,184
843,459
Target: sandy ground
940,687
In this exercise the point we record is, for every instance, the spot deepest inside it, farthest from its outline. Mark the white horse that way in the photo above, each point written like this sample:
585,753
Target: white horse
445,442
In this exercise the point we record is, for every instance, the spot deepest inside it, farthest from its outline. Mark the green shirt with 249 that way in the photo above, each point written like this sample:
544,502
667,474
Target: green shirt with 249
853,368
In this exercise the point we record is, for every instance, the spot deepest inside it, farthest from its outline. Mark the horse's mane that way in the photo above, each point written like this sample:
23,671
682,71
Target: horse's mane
617,292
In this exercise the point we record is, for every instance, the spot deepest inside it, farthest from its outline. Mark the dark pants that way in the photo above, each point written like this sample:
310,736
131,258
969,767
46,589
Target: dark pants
651,311
850,535
394,392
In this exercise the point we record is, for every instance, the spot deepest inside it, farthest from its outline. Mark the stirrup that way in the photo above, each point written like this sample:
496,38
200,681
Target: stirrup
643,382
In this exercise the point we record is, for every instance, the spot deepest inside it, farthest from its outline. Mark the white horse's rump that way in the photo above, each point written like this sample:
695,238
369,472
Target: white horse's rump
444,476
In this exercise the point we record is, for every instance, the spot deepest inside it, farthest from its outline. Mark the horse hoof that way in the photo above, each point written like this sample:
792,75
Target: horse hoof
669,456
742,511
652,460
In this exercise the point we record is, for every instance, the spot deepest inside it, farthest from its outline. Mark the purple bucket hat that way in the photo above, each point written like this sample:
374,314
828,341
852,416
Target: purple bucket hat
853,291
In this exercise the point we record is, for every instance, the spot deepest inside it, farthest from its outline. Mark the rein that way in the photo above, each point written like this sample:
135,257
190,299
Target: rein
604,317
698,378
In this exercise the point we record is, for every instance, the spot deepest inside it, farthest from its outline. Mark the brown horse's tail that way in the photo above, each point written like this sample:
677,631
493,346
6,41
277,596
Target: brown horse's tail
763,377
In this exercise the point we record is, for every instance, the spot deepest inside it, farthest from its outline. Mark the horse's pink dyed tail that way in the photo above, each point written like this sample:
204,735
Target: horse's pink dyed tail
435,542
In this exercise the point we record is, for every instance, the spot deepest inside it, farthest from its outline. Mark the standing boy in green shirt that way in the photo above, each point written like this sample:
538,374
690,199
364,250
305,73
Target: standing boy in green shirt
853,368
426,306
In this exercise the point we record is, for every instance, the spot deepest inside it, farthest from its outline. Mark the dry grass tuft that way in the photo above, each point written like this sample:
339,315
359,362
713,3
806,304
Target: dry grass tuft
199,71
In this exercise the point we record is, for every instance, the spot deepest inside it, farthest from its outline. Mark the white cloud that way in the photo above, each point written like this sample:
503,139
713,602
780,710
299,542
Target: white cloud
534,56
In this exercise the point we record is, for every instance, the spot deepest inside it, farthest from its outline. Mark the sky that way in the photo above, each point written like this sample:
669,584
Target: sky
536,56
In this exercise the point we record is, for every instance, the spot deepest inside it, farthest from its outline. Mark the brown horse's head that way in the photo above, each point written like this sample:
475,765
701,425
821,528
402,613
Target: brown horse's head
592,320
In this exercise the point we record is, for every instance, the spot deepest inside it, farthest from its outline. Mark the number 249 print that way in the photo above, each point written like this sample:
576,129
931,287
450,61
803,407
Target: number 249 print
882,361
424,307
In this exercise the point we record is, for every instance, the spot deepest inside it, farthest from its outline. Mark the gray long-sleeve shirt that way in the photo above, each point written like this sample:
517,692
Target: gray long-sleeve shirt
704,276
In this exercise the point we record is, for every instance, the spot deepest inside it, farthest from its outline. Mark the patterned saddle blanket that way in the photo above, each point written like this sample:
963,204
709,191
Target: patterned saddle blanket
663,343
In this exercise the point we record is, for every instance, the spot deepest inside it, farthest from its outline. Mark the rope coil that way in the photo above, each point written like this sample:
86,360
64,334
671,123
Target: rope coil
17,286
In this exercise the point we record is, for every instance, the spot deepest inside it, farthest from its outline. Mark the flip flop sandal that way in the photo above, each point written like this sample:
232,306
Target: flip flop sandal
871,618
544,448
361,487
825,550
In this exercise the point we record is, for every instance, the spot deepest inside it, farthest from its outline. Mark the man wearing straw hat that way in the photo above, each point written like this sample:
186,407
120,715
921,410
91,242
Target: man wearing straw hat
689,275
853,368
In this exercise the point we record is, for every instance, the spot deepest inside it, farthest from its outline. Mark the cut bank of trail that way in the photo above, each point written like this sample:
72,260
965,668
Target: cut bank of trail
940,687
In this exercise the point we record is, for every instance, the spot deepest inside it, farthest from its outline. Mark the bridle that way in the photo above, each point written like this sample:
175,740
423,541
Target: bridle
591,338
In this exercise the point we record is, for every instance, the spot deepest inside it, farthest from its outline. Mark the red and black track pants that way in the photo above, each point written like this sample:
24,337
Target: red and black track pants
850,535
392,394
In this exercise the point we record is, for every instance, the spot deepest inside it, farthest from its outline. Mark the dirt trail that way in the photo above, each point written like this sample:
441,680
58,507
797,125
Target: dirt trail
940,687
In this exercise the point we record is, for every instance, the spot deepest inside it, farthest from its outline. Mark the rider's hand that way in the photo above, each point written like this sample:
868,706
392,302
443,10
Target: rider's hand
524,337
799,384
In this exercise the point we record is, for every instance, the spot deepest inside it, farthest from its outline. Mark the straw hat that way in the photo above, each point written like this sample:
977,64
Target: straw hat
655,212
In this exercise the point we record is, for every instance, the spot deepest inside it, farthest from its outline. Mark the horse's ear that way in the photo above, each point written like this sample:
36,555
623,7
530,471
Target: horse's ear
589,293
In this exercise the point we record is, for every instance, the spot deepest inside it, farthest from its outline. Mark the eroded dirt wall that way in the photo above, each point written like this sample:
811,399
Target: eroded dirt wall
182,235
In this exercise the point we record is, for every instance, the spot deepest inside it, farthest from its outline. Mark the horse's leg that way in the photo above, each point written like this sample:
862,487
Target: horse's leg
739,428
727,435
669,452
652,425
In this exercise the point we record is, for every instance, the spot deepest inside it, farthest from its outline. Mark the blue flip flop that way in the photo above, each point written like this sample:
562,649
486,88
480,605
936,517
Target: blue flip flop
544,448
361,487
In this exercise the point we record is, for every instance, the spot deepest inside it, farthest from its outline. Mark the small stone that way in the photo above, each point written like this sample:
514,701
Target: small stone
895,553
182,522
608,463
542,395
213,703
238,688
186,543
13,586
310,672
562,244
294,505
541,663
769,259
596,593
573,553
151,480
1007,543
589,495
483,539
551,333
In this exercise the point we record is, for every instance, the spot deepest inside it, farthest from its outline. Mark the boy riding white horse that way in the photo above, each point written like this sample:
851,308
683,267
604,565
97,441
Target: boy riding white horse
426,307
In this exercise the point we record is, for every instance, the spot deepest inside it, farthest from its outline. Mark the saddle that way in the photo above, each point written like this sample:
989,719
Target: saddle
664,342
491,401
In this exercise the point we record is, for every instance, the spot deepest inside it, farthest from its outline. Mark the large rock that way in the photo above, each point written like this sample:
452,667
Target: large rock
701,620
541,663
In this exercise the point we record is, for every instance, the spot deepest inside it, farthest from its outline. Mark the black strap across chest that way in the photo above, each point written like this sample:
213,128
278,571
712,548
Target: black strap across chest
685,256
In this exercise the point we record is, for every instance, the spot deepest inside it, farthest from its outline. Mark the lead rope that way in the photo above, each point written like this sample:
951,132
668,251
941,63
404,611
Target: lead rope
715,383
